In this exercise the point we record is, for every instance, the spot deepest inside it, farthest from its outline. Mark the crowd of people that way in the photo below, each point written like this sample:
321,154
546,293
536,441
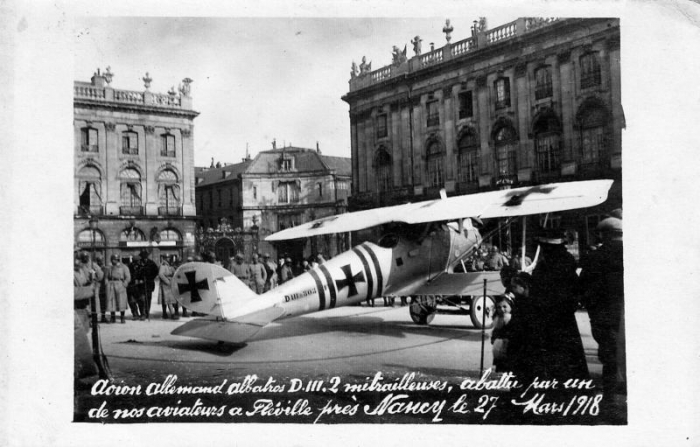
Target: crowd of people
535,333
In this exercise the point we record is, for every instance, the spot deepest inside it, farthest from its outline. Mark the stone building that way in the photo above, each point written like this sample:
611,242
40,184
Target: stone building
134,169
528,102
240,204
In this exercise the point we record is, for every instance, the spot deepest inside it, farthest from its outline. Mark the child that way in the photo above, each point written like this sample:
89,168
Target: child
501,333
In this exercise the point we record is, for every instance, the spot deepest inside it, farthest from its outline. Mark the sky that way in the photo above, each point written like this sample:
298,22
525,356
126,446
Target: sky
260,78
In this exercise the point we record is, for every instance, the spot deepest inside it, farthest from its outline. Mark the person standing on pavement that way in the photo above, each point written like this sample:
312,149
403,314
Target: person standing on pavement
555,302
100,293
271,271
241,270
602,286
117,279
83,291
146,272
258,275
165,296
286,271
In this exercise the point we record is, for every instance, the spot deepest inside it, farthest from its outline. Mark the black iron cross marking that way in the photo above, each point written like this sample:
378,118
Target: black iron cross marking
349,280
193,287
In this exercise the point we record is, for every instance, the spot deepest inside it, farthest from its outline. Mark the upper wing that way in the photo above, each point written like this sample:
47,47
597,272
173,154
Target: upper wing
505,203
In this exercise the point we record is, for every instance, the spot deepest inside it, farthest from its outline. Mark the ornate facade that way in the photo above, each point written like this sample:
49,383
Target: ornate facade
134,168
532,101
277,189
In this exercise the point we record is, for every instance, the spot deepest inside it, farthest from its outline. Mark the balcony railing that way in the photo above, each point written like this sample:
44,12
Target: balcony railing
433,120
169,211
590,79
543,91
131,210
89,148
87,91
92,210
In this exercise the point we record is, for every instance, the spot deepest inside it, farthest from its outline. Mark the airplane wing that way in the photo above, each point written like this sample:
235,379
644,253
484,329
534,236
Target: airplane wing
504,203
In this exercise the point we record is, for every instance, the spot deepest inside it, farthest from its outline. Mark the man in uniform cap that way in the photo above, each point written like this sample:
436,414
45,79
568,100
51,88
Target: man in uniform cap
602,286
145,273
240,269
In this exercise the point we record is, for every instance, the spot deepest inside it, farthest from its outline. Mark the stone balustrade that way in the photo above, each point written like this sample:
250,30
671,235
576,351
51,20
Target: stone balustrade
478,41
108,94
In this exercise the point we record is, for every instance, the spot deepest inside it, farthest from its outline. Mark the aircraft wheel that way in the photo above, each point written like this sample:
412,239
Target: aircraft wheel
477,311
422,309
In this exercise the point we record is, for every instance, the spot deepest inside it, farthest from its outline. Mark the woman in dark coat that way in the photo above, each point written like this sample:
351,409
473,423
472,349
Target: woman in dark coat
555,302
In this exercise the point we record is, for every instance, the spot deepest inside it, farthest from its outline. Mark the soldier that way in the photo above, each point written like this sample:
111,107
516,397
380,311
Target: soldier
145,272
240,269
602,284
258,275
83,291
117,278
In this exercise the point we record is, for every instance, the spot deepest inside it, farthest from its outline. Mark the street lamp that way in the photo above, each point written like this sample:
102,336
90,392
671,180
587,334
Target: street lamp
93,307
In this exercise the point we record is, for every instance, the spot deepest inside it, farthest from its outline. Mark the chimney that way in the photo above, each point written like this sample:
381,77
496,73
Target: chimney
212,162
318,149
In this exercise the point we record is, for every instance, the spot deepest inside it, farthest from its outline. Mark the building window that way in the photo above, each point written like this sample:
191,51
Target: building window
130,143
590,70
382,131
87,237
547,131
230,197
287,192
288,220
218,195
88,142
130,192
466,109
286,163
89,191
468,158
433,114
170,234
593,135
167,145
502,87
506,146
211,200
436,165
168,193
255,192
382,170
132,235
320,189
543,83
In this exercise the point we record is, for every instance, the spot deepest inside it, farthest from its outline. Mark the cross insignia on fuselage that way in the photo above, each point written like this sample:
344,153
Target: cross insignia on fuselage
193,287
349,280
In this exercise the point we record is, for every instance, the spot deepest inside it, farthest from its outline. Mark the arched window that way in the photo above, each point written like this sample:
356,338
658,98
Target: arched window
85,239
88,140
90,190
506,147
130,192
132,235
382,170
436,165
170,234
168,193
547,132
130,143
593,134
468,158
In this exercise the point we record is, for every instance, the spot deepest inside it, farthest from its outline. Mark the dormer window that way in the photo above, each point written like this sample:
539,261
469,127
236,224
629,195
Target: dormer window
287,163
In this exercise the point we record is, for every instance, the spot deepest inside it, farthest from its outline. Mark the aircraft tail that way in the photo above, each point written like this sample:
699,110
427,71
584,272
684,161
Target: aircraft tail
234,312
210,289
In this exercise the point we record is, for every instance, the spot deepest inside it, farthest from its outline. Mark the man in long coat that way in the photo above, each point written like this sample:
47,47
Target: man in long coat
117,278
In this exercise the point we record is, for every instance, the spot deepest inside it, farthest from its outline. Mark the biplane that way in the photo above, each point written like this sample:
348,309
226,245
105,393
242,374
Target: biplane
420,254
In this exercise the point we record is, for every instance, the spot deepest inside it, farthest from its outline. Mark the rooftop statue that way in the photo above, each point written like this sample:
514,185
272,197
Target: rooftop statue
417,45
